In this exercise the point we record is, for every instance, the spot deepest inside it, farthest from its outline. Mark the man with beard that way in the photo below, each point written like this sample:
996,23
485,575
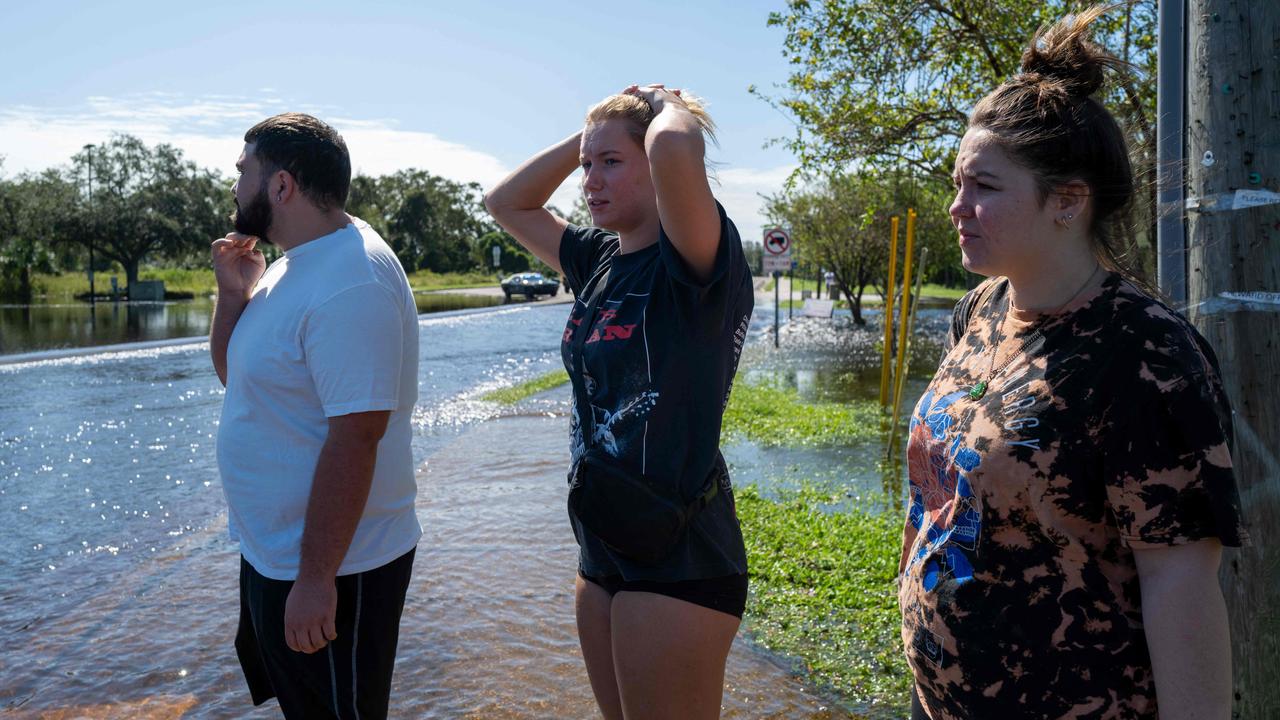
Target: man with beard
319,355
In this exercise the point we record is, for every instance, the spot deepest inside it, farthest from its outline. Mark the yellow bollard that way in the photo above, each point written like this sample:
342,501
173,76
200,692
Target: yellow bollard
906,297
887,356
905,351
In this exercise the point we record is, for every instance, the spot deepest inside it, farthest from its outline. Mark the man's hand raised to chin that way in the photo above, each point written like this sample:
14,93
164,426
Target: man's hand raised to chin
237,265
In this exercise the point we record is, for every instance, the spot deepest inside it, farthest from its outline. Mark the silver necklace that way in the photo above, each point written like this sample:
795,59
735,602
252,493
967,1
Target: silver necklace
980,389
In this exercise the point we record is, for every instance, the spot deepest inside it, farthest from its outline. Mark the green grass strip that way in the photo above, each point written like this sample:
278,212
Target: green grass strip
776,416
533,386
427,280
822,591
201,283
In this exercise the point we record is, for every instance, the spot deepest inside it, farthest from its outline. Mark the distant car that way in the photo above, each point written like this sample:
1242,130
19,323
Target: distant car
529,285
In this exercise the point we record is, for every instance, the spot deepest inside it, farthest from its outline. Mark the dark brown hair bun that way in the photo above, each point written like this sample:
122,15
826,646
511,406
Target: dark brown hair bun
1050,121
1063,53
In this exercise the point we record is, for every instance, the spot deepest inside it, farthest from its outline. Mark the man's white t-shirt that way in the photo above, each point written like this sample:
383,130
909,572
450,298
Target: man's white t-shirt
331,329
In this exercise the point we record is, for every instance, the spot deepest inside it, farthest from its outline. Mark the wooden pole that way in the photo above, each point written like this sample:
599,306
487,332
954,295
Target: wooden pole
1233,175
886,357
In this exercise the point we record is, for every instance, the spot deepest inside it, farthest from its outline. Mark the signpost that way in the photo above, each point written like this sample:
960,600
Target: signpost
777,259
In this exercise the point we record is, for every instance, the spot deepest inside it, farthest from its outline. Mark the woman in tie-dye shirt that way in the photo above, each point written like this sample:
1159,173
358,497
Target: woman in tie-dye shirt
1071,481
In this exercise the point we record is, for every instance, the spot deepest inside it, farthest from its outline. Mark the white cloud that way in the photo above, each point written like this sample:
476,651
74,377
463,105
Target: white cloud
209,131
740,191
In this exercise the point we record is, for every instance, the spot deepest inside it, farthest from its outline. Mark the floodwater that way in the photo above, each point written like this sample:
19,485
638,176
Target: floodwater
29,328
117,580
834,361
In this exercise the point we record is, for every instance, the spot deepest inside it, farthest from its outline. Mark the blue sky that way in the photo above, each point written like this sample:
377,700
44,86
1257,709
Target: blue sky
463,89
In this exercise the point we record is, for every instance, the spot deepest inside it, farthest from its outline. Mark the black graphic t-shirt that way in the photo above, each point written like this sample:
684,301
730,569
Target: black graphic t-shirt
1107,432
660,359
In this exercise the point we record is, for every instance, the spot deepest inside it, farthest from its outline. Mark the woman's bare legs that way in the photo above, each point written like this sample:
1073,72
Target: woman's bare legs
652,657
594,634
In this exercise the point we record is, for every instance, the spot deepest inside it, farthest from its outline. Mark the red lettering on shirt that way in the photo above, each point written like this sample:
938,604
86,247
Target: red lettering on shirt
618,332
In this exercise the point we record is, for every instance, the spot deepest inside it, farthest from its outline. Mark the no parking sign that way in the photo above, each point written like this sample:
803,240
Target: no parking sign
777,250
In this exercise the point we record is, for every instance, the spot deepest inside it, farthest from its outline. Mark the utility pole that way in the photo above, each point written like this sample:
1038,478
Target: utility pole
1233,285
93,296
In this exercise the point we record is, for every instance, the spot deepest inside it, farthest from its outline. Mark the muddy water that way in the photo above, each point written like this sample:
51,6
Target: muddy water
117,579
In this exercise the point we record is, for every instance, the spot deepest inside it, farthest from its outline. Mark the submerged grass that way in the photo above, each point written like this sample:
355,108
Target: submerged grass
769,415
822,592
533,386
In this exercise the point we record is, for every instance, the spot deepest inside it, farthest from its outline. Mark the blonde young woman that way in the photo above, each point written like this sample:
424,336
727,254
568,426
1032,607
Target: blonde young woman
664,297
1071,482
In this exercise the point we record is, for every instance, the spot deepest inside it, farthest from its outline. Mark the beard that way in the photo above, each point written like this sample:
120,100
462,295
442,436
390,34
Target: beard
255,217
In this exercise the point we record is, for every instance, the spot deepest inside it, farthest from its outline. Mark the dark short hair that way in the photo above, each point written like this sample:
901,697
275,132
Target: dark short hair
309,150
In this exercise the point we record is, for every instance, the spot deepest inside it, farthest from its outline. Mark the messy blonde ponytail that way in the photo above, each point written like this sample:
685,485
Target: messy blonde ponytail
638,114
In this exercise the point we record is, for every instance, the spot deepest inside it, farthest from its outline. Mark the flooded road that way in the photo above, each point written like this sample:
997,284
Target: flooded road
117,580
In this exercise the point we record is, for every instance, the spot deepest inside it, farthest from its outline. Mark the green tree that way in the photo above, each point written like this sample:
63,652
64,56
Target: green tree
431,223
890,83
512,257
28,208
145,203
842,223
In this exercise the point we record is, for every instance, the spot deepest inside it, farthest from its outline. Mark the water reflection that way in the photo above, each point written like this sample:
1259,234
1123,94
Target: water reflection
31,328
28,328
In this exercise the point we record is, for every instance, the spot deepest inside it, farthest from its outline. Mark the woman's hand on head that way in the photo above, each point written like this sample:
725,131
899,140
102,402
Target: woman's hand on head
656,94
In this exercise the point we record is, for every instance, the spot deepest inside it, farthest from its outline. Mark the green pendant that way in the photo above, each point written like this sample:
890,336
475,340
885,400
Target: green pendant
978,390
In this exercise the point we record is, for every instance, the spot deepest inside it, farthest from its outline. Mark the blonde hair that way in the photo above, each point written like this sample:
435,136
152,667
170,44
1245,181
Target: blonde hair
638,114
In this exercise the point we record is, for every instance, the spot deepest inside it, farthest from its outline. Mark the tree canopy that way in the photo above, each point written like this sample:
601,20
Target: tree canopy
892,82
879,88
137,204
842,223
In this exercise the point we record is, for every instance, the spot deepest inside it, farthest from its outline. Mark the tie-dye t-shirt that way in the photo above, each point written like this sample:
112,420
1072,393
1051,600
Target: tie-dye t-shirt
1107,432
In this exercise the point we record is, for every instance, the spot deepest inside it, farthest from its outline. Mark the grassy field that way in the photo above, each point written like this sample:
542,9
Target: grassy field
774,416
822,592
200,283
929,292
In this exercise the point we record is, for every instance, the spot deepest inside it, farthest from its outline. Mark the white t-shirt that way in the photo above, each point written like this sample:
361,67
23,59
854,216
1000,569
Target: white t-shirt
331,329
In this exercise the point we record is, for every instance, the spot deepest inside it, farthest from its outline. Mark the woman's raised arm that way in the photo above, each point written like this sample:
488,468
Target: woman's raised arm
675,147
517,202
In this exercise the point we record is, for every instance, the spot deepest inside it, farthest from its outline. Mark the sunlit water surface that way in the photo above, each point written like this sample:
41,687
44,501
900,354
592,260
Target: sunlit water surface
117,579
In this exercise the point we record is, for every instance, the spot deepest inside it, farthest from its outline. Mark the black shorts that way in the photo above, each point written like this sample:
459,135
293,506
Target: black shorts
727,594
348,678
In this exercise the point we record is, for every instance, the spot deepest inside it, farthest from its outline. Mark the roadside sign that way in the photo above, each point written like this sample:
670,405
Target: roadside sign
777,250
777,241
